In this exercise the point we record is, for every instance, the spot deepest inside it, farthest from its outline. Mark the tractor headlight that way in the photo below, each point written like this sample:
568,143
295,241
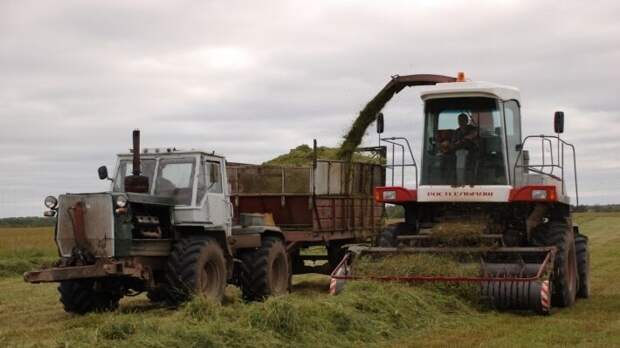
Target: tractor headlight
121,201
539,194
50,202
389,195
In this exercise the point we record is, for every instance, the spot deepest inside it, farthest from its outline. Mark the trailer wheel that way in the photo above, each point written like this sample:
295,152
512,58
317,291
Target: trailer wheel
564,275
83,296
267,270
583,265
196,267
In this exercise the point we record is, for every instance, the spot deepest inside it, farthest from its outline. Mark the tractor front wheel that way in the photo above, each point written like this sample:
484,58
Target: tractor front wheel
87,295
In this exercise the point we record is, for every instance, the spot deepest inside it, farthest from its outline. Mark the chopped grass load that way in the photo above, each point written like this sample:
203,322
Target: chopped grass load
303,155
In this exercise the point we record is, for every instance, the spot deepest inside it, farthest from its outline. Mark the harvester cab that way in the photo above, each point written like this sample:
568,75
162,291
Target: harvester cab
480,196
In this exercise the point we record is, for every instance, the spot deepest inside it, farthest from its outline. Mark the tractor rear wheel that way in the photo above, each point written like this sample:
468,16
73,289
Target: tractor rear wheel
267,271
583,265
564,276
196,267
85,295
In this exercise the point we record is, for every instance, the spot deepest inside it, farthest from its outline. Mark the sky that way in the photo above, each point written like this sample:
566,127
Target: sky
252,79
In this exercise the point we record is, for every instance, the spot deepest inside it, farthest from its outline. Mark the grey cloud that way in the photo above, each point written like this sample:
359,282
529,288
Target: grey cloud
251,80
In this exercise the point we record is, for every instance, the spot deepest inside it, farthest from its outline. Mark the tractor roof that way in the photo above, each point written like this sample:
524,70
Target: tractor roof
170,151
470,88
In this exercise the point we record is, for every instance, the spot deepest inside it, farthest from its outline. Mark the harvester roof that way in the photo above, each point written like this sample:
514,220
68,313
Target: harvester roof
470,88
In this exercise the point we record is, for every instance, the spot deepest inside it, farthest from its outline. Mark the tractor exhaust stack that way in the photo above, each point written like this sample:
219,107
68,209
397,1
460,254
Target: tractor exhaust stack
136,183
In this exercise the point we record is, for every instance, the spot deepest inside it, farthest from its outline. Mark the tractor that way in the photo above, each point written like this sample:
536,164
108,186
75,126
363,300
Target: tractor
478,169
165,228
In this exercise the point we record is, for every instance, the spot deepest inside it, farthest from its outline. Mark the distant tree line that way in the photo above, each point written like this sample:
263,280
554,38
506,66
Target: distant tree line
598,208
30,221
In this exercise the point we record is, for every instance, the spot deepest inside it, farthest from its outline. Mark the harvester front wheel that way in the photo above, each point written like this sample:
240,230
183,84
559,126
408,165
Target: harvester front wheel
267,270
335,253
564,275
86,295
389,237
196,267
583,265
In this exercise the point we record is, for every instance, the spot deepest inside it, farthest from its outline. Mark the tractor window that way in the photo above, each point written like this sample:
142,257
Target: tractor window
175,178
214,177
463,142
201,187
125,168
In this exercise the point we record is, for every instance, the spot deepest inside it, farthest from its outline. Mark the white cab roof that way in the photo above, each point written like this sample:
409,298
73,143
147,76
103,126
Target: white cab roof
470,88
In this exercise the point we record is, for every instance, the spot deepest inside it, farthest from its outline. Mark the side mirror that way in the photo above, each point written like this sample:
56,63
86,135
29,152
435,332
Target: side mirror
518,147
379,123
558,122
103,172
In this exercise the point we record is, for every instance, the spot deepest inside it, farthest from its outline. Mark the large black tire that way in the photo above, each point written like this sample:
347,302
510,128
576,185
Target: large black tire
85,295
388,238
564,277
583,265
266,270
195,267
158,294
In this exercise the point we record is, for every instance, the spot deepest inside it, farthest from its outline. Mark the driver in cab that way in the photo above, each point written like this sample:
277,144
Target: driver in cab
463,137
463,142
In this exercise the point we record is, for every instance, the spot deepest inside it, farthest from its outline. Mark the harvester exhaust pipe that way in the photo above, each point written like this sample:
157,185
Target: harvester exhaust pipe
136,183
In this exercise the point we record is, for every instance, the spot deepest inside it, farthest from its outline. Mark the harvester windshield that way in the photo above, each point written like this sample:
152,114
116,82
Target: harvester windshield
463,142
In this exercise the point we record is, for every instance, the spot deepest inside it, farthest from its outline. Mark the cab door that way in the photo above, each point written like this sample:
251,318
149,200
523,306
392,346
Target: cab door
218,205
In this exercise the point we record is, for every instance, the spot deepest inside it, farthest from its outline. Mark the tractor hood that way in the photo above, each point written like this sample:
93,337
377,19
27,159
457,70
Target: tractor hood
92,222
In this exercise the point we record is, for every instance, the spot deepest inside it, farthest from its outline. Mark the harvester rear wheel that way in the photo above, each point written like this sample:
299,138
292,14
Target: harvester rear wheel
196,267
267,270
83,296
564,276
583,265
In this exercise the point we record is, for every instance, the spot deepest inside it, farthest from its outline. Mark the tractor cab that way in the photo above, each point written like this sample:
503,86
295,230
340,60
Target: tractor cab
194,180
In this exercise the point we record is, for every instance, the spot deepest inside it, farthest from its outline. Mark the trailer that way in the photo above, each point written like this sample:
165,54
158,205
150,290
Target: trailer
329,203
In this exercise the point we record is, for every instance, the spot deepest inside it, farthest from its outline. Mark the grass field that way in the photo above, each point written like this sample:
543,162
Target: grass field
367,314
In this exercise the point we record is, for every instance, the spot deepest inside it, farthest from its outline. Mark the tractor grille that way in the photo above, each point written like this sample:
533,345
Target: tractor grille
97,219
